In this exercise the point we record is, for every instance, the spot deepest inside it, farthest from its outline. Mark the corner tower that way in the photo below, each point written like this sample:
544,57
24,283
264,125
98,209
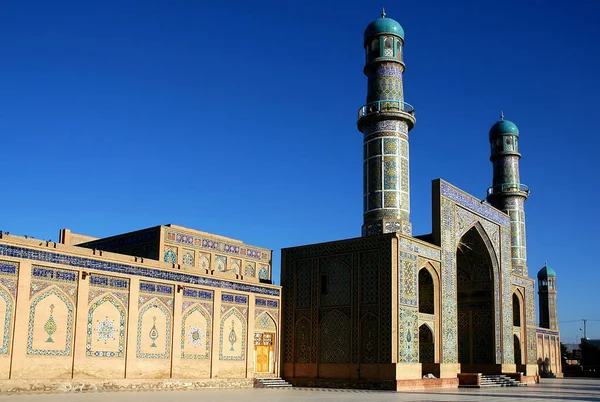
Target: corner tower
385,121
547,295
507,193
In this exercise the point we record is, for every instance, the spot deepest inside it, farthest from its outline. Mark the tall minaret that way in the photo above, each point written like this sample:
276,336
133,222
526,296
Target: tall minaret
385,121
507,193
547,295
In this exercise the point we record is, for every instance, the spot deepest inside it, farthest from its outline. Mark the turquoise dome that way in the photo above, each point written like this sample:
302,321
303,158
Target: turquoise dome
503,127
546,272
383,25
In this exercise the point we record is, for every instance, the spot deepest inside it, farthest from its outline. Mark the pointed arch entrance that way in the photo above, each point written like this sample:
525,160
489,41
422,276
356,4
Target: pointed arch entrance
475,302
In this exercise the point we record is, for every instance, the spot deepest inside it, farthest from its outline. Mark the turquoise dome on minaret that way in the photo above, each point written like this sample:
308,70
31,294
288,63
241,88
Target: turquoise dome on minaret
546,272
383,25
503,127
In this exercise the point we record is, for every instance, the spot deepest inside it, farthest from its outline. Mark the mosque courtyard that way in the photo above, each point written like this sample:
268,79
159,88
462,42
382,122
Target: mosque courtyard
547,390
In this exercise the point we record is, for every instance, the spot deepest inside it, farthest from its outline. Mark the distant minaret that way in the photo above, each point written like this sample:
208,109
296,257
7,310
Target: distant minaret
385,121
547,294
507,193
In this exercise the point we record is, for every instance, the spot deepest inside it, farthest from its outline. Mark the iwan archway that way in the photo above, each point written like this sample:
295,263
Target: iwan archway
475,303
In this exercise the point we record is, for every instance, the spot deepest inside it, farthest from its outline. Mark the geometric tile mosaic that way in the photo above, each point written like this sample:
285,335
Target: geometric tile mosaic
195,339
473,204
106,329
407,278
408,335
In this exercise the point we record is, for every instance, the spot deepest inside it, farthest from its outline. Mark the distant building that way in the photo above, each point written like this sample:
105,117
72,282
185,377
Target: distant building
385,309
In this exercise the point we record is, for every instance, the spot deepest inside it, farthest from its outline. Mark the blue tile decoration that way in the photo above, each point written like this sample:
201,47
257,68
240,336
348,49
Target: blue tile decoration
108,298
109,282
420,249
546,331
407,279
227,337
519,280
266,303
66,350
238,299
162,352
9,276
7,267
89,263
408,335
56,274
474,204
210,244
263,273
198,294
7,321
196,337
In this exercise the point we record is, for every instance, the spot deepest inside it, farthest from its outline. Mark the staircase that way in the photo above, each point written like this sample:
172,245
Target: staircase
271,383
499,381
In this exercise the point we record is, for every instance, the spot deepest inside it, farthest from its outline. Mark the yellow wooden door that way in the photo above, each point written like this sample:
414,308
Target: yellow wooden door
263,346
262,359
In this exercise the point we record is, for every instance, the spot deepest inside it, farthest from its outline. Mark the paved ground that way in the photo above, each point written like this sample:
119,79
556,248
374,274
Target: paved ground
547,390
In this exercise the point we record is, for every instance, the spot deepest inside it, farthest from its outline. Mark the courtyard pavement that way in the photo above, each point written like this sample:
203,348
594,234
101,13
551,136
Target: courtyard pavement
548,390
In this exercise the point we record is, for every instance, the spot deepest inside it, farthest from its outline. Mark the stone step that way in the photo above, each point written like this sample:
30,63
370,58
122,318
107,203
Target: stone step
496,380
271,383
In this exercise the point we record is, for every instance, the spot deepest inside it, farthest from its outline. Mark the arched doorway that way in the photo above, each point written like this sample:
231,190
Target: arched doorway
426,292
516,311
475,303
426,345
518,327
517,346
428,312
264,343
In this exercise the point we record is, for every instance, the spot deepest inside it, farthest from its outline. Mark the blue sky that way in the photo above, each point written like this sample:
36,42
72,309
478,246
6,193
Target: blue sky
240,119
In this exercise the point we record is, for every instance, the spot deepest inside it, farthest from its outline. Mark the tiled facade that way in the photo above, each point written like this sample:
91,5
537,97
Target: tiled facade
460,298
107,316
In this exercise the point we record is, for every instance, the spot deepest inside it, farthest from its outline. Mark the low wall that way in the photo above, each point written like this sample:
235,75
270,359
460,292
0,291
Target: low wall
473,379
74,386
410,385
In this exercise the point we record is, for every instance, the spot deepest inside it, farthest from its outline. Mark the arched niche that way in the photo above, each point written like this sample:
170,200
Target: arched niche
106,327
154,331
232,342
196,333
51,316
476,281
426,344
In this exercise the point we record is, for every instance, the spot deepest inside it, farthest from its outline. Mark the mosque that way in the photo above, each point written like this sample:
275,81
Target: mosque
173,307
386,309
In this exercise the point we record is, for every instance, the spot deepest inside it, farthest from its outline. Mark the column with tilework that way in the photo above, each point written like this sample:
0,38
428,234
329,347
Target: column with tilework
385,121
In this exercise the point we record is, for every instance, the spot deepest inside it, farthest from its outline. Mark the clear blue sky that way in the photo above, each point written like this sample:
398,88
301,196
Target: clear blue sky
238,118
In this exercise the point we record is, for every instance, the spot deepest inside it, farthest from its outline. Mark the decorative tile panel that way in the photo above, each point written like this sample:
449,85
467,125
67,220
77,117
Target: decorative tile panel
431,252
196,325
206,243
125,269
473,204
408,335
508,344
106,329
237,299
407,278
188,258
44,316
232,335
